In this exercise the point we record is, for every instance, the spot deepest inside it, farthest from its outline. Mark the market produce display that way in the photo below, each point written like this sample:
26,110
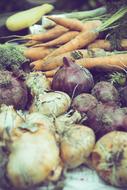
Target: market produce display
63,100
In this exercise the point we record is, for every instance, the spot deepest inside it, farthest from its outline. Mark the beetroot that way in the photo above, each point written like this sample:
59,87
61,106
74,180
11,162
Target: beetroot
104,118
72,79
13,91
106,93
84,102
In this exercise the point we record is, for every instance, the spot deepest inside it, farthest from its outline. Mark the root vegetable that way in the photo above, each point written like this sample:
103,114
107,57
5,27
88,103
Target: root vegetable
104,118
84,102
50,73
13,91
109,158
88,36
37,53
60,40
111,62
106,93
72,24
105,44
48,35
80,41
51,104
57,61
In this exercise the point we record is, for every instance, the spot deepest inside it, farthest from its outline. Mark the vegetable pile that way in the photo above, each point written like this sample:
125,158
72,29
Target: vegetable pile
68,107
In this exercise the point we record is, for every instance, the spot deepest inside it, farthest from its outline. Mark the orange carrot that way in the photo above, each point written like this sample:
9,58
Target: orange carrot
115,61
60,40
86,37
72,24
57,61
105,44
80,41
37,53
89,25
50,73
48,35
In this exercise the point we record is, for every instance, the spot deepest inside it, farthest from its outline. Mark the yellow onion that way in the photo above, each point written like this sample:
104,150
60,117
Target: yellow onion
37,82
34,158
109,158
76,145
10,121
51,104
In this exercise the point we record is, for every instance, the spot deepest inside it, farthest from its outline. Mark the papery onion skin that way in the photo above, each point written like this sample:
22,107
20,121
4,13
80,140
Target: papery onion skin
72,79
76,145
37,82
109,158
34,158
51,104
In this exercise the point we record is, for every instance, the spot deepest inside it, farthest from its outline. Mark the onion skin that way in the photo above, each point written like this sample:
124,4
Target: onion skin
10,121
76,145
51,104
34,158
109,158
72,79
37,82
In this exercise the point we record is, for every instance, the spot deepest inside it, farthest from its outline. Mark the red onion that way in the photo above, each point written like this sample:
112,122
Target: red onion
72,79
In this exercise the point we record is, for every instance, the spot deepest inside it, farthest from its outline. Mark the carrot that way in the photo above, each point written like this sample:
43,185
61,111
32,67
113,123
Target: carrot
105,44
50,73
72,24
37,53
60,40
86,37
116,61
31,43
48,35
57,61
80,41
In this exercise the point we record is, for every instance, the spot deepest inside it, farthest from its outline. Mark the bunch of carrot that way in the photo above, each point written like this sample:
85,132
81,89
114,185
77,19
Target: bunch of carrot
76,40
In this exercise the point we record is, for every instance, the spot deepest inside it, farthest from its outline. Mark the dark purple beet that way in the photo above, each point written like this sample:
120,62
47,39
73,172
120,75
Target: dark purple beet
104,118
84,102
13,91
123,96
72,79
106,93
